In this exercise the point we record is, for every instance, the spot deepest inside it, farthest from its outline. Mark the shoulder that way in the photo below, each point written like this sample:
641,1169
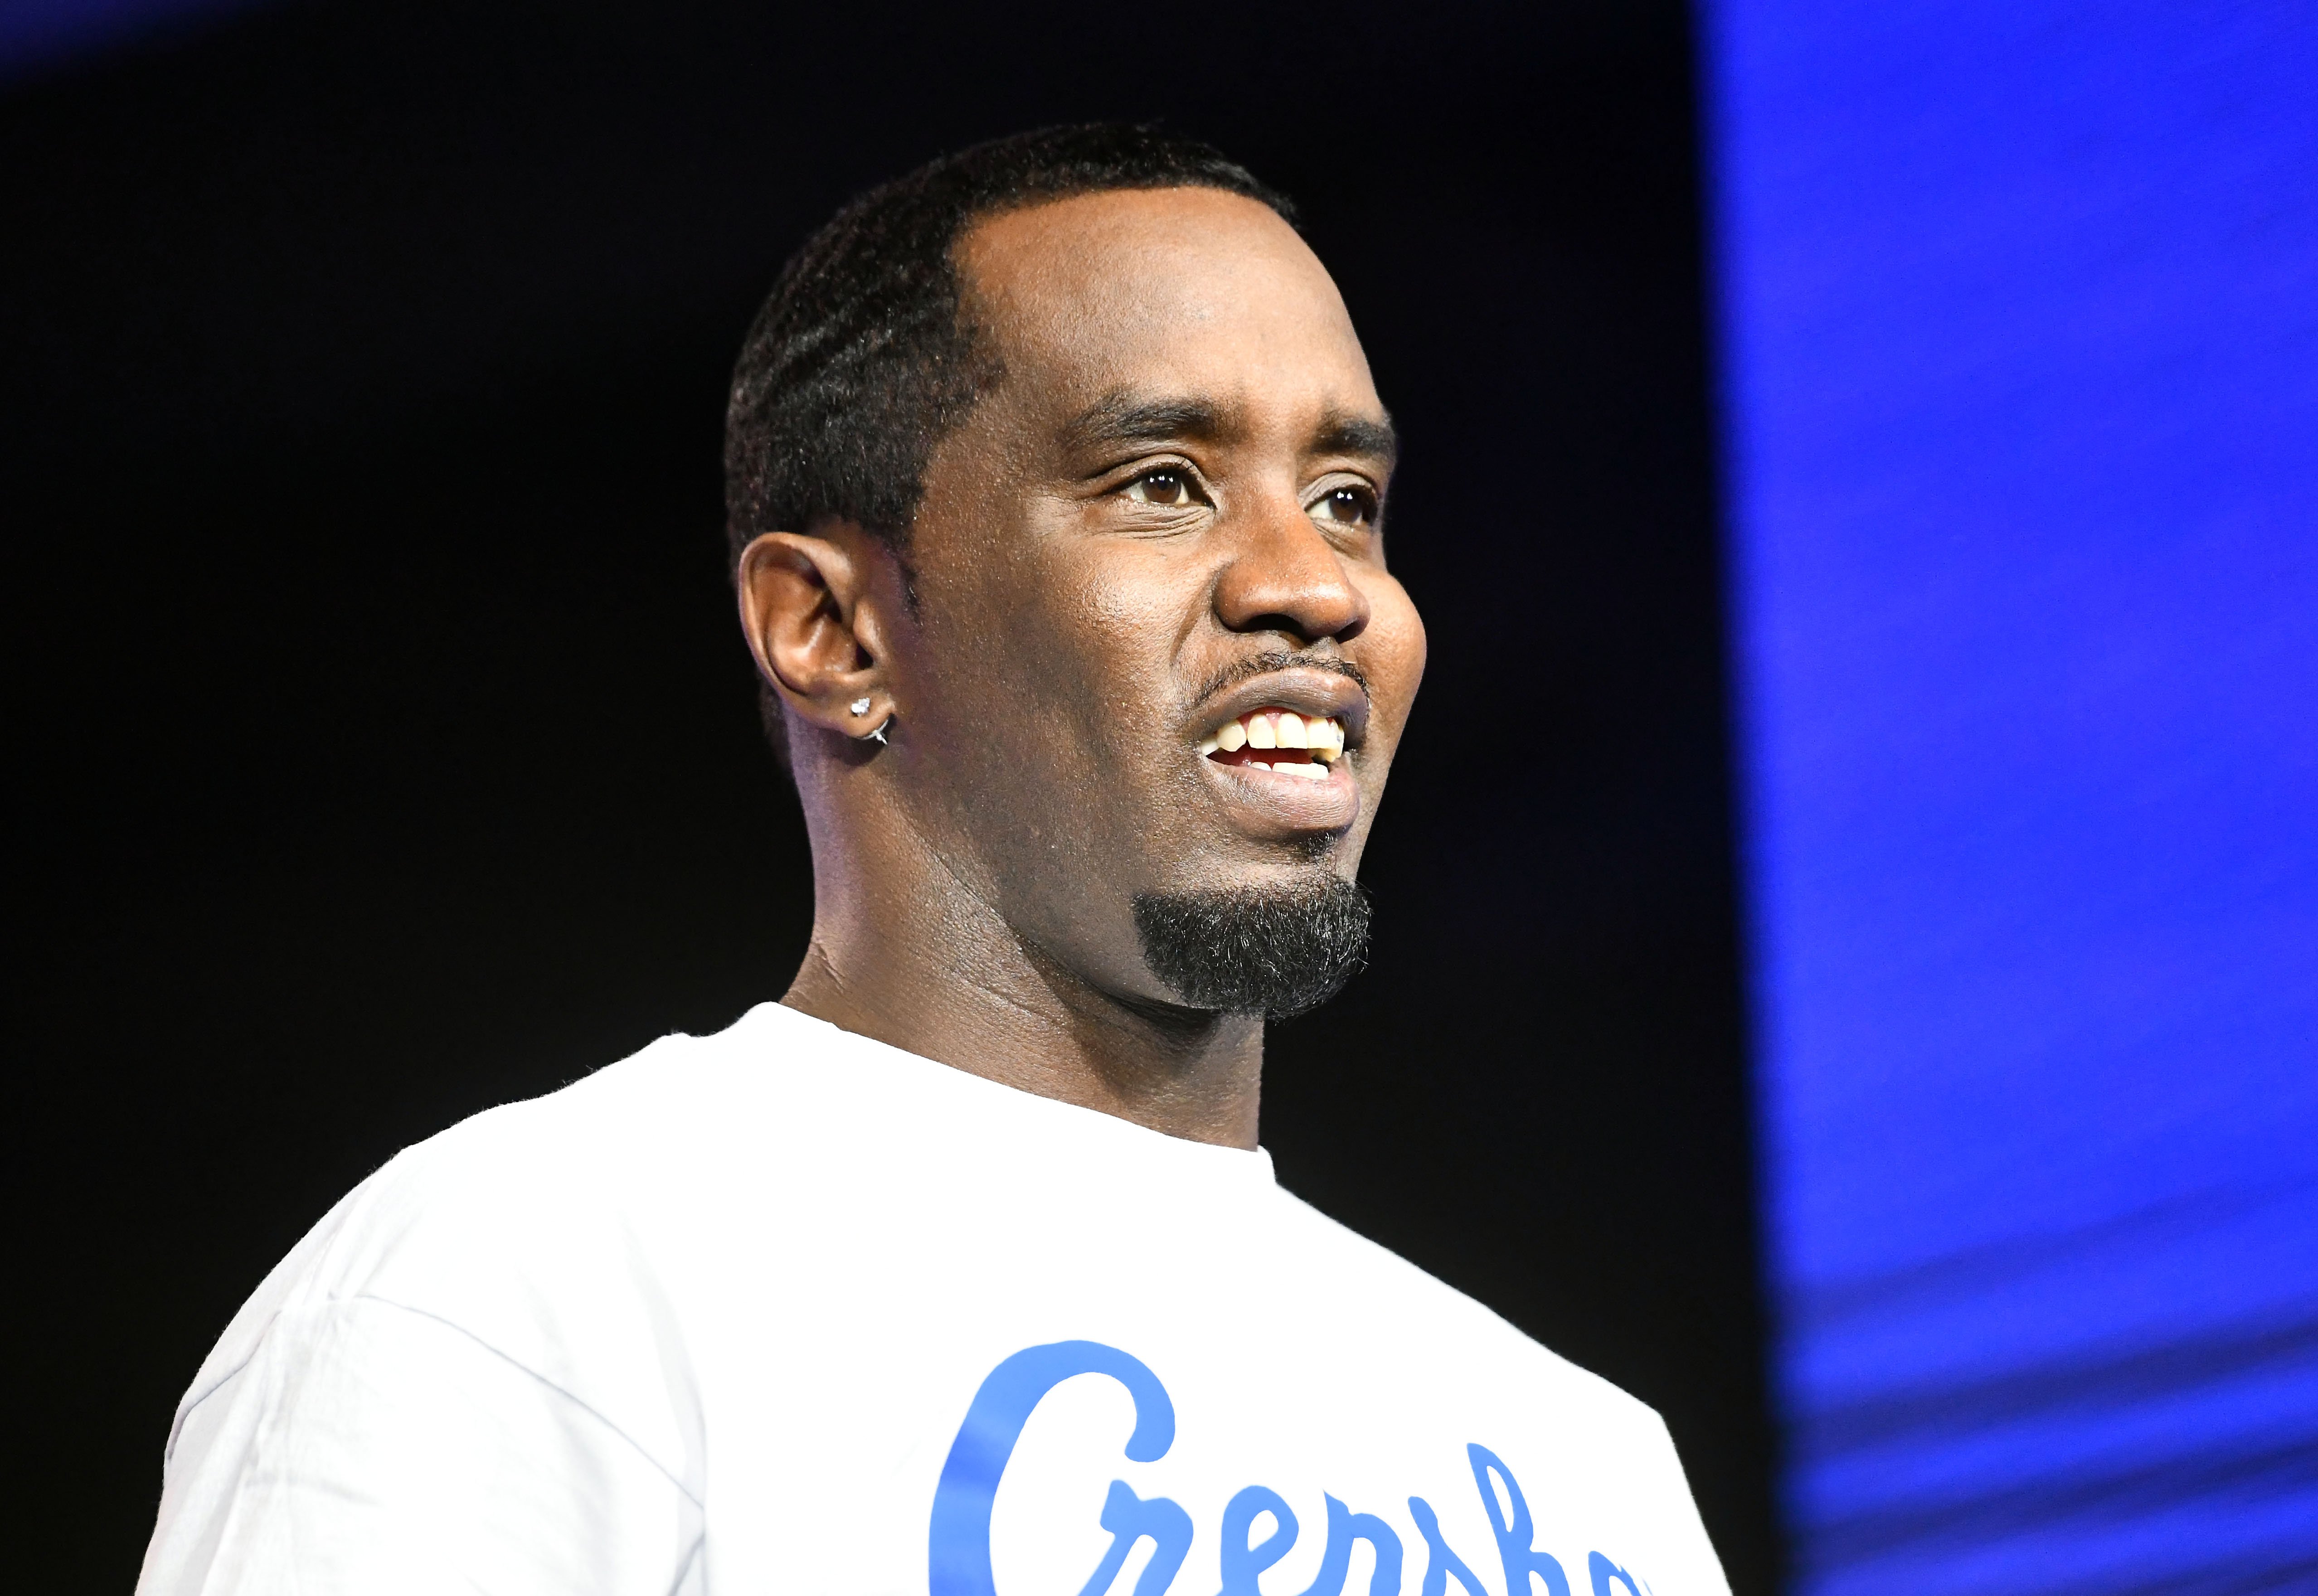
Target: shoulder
502,1225
618,1132
1570,1435
1439,1327
531,1170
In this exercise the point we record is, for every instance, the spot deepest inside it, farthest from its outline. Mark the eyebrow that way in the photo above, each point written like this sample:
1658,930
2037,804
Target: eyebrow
1341,434
1120,420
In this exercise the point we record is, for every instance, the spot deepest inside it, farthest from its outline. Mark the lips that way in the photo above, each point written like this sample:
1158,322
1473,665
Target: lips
1280,740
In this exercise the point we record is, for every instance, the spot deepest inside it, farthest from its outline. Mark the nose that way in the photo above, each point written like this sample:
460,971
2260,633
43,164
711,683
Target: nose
1284,576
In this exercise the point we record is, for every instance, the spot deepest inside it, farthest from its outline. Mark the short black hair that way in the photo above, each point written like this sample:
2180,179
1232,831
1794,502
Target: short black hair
862,359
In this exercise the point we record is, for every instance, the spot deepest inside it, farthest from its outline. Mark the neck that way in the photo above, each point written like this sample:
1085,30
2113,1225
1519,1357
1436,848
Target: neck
905,954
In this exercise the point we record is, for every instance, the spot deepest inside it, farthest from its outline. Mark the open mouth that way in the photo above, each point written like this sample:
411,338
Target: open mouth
1280,740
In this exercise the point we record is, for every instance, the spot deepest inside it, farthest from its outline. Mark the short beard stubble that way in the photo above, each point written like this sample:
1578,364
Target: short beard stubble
1273,951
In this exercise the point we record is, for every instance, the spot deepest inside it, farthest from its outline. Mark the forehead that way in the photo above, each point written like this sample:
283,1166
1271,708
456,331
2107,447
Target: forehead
1180,289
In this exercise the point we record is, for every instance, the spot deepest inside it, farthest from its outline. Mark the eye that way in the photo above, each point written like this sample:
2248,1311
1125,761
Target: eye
1346,505
1170,486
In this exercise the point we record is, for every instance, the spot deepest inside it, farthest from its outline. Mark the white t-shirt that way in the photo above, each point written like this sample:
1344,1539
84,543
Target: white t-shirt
785,1309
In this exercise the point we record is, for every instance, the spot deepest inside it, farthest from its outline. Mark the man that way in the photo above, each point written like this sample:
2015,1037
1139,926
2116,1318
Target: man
1057,481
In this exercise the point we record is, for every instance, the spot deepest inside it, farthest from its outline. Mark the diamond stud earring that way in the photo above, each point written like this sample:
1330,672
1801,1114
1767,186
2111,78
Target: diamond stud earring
876,734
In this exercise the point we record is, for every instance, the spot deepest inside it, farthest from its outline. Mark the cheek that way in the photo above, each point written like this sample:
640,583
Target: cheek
1073,656
1393,650
1124,618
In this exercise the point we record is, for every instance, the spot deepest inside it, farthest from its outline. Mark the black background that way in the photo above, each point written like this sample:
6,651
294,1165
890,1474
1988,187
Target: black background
383,747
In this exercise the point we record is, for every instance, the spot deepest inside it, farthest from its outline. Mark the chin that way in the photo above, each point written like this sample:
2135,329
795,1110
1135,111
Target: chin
1270,947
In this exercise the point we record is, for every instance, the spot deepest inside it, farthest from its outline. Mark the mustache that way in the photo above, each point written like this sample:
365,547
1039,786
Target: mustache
1255,665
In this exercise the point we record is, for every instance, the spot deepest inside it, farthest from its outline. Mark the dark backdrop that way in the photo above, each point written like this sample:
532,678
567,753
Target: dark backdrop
384,748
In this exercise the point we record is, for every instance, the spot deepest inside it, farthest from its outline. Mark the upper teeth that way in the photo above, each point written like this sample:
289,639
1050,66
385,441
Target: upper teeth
1322,737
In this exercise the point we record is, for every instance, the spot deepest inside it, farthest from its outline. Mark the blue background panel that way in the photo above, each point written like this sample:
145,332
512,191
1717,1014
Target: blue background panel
2020,343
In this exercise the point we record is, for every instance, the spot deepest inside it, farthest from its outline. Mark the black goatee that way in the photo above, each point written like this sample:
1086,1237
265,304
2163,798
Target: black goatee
1274,951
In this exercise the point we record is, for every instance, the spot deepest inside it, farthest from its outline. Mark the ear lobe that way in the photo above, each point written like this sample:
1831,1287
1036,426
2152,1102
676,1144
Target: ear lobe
801,607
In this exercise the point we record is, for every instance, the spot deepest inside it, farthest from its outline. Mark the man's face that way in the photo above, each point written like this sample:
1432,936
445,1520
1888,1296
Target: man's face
1162,522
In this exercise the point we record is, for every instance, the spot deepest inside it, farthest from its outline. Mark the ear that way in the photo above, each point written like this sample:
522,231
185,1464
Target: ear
806,606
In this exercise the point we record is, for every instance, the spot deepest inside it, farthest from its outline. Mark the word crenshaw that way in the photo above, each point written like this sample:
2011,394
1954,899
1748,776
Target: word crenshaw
957,1541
